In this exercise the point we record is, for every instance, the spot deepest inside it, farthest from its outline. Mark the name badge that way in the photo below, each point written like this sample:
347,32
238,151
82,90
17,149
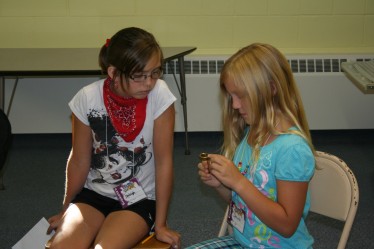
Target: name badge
129,192
236,217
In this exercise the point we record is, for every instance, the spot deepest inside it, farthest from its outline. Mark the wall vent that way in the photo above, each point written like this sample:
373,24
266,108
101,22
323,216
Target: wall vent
314,64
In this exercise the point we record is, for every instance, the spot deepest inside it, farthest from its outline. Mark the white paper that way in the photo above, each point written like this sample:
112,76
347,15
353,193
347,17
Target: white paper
36,237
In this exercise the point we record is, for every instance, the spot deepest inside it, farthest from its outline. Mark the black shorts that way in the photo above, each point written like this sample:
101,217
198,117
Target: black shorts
145,208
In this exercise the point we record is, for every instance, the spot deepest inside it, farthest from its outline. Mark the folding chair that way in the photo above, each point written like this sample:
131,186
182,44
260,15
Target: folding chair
334,193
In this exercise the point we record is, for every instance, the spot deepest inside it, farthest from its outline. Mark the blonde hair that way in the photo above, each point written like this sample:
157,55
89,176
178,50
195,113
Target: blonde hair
256,70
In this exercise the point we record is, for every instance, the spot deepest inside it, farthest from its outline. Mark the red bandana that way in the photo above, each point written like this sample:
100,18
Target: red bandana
126,115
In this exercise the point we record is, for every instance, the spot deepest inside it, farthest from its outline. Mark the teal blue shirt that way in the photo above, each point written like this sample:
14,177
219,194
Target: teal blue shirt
287,158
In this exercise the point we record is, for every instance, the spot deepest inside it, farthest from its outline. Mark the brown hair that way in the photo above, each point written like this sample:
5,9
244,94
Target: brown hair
128,51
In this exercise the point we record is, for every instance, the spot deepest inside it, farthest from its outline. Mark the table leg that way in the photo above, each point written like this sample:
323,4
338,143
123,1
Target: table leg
12,96
184,101
2,93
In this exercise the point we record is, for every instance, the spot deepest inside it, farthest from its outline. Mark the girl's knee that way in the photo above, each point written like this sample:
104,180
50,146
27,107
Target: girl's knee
69,243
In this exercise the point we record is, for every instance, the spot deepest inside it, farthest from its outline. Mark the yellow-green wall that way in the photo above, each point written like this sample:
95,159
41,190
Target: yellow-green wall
216,27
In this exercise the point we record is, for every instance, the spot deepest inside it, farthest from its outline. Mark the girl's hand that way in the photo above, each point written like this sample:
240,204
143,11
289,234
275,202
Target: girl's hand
54,221
169,236
206,176
224,171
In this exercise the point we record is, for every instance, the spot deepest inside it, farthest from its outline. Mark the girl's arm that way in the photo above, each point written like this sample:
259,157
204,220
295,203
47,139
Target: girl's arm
225,193
163,141
77,167
79,161
282,216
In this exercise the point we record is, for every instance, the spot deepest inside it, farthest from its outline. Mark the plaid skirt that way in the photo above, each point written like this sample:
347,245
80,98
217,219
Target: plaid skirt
217,243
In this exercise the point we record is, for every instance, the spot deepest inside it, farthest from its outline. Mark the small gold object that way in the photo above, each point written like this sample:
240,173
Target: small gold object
204,157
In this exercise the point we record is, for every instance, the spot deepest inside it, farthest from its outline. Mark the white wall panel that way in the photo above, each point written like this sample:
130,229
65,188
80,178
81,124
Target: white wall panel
331,102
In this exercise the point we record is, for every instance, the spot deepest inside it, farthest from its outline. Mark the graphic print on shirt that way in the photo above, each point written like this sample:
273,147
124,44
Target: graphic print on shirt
261,234
114,161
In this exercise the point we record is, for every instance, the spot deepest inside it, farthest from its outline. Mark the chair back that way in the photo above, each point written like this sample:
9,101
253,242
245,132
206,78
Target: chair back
334,192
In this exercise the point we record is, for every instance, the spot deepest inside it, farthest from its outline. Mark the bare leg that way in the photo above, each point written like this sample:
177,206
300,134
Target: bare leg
120,230
78,228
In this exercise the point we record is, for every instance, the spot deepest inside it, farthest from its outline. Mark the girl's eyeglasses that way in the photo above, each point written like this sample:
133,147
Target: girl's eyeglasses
155,74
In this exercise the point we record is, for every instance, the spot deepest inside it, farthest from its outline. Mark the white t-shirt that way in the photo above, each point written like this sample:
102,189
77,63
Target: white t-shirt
115,161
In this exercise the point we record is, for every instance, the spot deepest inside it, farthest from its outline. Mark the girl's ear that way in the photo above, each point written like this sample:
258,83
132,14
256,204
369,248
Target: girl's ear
111,72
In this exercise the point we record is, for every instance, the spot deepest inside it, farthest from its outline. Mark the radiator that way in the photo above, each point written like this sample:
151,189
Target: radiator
331,101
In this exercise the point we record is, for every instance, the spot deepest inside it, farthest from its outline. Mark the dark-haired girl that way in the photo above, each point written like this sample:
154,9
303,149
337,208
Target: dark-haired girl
120,170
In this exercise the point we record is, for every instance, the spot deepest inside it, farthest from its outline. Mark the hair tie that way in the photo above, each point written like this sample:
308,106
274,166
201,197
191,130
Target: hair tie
107,43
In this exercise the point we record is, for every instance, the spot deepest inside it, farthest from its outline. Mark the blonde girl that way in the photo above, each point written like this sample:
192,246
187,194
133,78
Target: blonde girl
268,156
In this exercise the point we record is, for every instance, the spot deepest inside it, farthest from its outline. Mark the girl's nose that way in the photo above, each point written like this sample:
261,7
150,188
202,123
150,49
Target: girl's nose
235,103
149,82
